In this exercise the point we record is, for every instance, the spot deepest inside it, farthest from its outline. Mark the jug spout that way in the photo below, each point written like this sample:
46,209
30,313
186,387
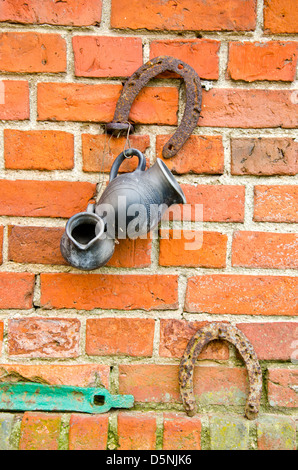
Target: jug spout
84,243
170,189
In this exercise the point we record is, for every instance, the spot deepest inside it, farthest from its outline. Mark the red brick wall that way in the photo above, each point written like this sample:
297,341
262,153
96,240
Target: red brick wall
62,65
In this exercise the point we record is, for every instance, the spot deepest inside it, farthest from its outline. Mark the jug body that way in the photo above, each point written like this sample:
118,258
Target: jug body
84,243
133,203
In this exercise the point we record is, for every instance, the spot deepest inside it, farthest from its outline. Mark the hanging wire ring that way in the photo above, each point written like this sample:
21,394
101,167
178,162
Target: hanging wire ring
127,142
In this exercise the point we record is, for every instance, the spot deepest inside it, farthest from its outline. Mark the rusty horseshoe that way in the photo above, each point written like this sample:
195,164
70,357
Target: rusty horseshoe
225,331
140,78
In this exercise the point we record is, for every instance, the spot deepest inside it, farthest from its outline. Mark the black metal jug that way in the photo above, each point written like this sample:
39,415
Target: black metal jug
133,203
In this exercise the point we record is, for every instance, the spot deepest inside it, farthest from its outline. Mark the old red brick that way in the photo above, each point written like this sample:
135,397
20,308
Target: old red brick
181,433
100,151
107,291
44,337
200,54
282,387
16,290
80,375
159,384
96,103
192,248
276,433
175,334
38,150
136,432
40,431
265,250
248,108
14,100
72,12
119,336
200,154
27,198
41,245
280,16
88,432
242,294
264,156
272,60
276,203
32,52
103,56
184,15
35,245
215,203
132,254
272,341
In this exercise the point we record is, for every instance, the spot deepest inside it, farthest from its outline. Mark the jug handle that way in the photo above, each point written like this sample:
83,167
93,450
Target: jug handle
123,155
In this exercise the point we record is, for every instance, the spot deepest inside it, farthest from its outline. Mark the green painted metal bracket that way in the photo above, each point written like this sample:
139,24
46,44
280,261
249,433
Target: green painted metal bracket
24,396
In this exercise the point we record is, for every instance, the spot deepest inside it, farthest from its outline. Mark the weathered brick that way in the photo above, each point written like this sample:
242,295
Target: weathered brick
35,245
119,336
27,198
181,433
80,375
40,431
96,103
276,433
199,155
100,151
88,432
16,290
276,203
272,60
200,54
282,387
280,16
216,203
264,156
38,150
175,334
32,52
242,294
184,15
192,248
136,432
44,337
248,108
14,100
1,244
103,56
229,433
71,12
6,428
265,250
272,341
41,245
132,254
107,291
159,384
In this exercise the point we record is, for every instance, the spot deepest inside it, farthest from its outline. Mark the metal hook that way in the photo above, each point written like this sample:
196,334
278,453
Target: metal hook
225,331
140,78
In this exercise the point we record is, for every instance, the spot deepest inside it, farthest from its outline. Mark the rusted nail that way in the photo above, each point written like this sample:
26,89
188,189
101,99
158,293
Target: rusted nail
225,331
140,78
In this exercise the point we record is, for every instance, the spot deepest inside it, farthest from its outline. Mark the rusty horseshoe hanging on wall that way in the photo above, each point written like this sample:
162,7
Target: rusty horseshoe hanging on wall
140,78
225,331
